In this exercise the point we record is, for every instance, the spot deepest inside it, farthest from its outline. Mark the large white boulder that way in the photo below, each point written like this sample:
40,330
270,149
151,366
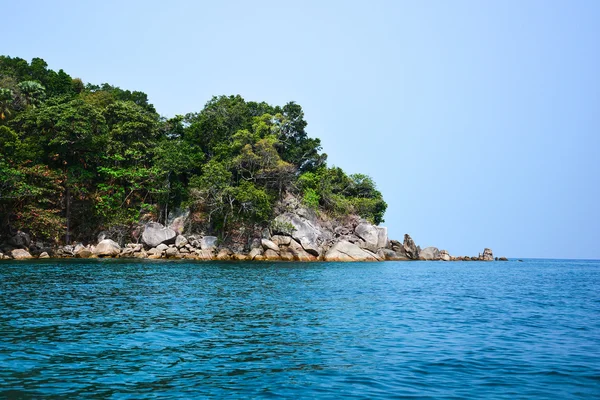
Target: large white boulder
302,230
429,254
375,237
346,251
155,234
107,248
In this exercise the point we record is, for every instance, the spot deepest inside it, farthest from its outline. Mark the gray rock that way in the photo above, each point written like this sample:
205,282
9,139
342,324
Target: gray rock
346,251
155,234
487,255
304,232
44,255
281,240
391,255
298,253
267,244
162,247
444,255
107,248
410,248
154,251
254,252
208,242
223,254
127,252
429,254
180,241
21,240
20,254
172,252
271,255
369,234
84,253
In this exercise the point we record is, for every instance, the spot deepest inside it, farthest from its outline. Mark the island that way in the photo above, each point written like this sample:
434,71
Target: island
92,170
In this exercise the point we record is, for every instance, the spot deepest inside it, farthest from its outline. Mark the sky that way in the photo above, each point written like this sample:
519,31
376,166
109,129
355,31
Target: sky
478,120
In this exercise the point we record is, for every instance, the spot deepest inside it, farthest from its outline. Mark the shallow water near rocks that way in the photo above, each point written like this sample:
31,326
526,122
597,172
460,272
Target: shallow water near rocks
328,330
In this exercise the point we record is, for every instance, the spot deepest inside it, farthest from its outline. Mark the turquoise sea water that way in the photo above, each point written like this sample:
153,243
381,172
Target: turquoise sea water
358,330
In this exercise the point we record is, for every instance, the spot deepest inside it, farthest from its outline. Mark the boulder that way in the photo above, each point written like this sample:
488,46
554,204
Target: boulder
137,247
369,234
487,255
502,259
374,237
155,234
162,247
20,254
180,241
410,248
444,255
271,255
254,253
267,244
239,257
155,251
208,242
391,255
298,253
140,254
346,251
429,254
84,253
44,255
20,240
107,248
281,240
172,252
302,230
178,225
206,254
223,254
127,252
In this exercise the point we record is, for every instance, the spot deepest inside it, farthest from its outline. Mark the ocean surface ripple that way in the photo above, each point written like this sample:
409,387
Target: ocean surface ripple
124,329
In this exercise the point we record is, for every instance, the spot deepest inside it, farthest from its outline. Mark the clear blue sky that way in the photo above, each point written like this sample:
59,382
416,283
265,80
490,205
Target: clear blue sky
479,120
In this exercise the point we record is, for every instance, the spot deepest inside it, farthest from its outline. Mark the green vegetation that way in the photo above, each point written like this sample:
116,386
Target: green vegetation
78,158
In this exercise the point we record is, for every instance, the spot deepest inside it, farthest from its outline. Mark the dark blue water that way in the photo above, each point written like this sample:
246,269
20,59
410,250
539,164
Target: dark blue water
372,330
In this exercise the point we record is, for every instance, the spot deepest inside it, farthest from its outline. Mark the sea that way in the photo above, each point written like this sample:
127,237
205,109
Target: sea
179,329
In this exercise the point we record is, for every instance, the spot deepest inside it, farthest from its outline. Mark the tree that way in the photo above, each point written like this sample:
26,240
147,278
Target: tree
33,92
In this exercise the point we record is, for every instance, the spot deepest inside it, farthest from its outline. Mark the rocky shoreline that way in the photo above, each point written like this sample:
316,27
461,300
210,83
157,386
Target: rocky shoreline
297,233
159,242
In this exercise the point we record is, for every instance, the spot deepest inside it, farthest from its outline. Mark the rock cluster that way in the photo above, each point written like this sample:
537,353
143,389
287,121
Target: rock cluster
296,234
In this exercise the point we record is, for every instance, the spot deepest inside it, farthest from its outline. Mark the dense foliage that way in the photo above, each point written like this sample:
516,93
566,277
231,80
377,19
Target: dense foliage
77,158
